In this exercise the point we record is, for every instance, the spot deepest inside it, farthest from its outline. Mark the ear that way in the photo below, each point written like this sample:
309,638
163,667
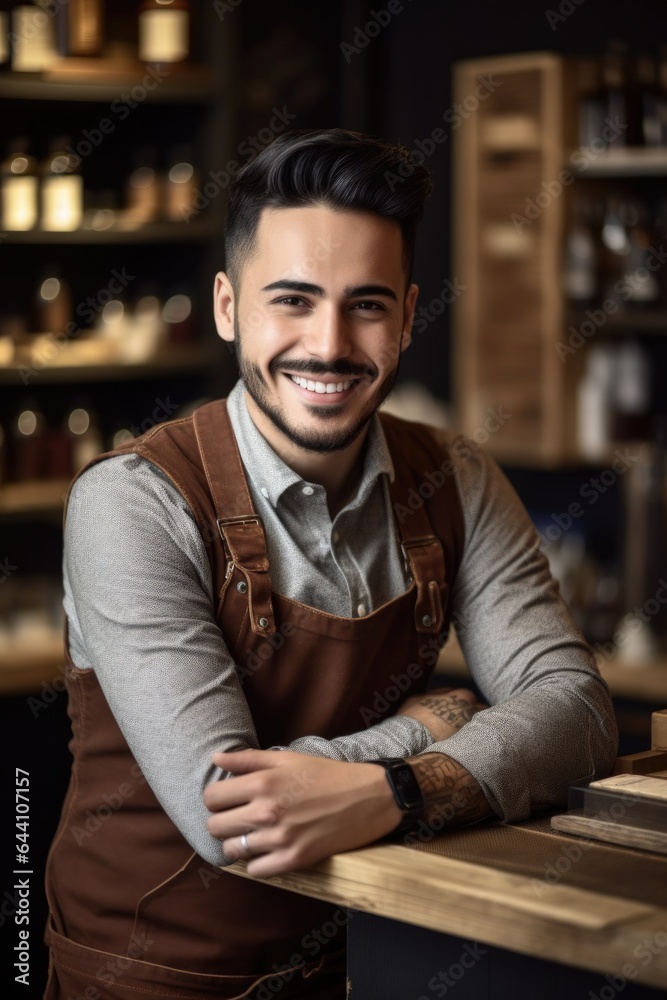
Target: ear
223,306
409,315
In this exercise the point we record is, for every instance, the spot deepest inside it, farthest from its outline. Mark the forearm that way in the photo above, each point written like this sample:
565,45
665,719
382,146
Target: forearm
398,736
451,795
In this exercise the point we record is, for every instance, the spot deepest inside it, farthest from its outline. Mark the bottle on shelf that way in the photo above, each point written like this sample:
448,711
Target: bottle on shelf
616,244
33,39
581,278
20,188
590,101
641,285
83,426
59,452
180,185
3,456
143,191
164,31
593,400
53,302
28,458
178,316
146,329
648,104
62,189
630,394
662,95
80,27
616,100
5,51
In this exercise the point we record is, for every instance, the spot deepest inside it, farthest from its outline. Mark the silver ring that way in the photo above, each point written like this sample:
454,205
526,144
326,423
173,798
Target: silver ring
244,843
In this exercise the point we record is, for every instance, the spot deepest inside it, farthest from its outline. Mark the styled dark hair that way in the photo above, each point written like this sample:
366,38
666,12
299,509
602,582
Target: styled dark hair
335,167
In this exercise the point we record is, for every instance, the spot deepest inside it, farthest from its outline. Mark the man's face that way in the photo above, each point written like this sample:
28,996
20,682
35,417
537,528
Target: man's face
320,320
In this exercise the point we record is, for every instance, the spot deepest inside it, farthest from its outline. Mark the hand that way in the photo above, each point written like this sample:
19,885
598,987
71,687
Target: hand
443,710
296,809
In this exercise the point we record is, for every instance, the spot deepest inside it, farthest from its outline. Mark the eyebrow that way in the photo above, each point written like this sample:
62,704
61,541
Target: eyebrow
350,292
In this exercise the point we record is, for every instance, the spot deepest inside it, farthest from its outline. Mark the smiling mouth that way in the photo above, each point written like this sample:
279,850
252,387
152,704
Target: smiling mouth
323,388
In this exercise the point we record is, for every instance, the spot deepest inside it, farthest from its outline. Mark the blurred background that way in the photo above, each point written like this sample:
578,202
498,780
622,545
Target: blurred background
541,328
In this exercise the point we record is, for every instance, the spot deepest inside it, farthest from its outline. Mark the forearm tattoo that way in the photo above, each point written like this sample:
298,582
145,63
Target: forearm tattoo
451,708
451,794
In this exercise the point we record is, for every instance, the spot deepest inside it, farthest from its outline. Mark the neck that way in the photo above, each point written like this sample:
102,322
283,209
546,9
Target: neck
338,472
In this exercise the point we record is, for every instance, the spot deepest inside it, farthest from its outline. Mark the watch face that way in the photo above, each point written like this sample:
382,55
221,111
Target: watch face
407,785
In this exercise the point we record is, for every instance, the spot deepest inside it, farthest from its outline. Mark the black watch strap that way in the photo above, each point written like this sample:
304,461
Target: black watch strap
406,791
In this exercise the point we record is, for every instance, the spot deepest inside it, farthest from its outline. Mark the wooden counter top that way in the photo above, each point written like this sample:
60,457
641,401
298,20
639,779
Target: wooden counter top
575,926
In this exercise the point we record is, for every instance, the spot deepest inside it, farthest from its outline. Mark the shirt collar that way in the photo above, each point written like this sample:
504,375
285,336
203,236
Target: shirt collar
272,477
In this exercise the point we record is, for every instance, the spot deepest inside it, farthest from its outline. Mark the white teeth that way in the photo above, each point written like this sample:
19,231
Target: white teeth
321,387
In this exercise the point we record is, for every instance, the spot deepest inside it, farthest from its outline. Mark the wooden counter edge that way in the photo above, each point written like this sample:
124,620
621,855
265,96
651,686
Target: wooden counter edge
565,924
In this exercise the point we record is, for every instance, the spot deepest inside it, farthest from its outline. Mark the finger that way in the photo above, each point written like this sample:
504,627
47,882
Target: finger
231,823
245,761
235,849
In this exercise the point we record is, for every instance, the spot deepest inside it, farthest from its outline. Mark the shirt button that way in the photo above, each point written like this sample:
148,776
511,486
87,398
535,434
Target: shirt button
264,492
308,491
361,610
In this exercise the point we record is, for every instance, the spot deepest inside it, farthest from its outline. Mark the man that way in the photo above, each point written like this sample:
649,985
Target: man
255,602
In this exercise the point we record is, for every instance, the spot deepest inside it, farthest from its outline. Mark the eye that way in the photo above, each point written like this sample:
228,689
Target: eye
369,306
290,300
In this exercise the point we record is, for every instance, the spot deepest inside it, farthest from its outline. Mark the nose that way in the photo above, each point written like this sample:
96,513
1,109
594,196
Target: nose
329,336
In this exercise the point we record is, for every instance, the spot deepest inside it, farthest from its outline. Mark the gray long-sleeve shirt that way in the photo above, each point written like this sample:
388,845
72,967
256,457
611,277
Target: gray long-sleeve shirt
140,607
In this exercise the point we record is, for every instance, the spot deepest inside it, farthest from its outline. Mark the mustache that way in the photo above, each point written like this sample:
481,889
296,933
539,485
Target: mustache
311,366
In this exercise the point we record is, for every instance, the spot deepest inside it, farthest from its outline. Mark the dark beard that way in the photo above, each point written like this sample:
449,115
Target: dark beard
323,441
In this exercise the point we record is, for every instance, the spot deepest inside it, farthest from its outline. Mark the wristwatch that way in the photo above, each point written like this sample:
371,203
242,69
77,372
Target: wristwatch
406,791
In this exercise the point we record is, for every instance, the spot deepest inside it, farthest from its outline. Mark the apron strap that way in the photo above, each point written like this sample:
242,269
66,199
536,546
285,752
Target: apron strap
239,525
422,549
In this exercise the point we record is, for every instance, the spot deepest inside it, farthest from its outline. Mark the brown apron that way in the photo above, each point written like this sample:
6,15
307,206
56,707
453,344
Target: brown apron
133,910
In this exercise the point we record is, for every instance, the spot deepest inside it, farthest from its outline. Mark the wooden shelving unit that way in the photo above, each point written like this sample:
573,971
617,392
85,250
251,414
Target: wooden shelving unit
199,230
510,215
171,359
187,107
104,83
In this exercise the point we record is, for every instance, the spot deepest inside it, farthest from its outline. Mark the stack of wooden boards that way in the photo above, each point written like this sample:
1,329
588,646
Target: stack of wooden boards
630,808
